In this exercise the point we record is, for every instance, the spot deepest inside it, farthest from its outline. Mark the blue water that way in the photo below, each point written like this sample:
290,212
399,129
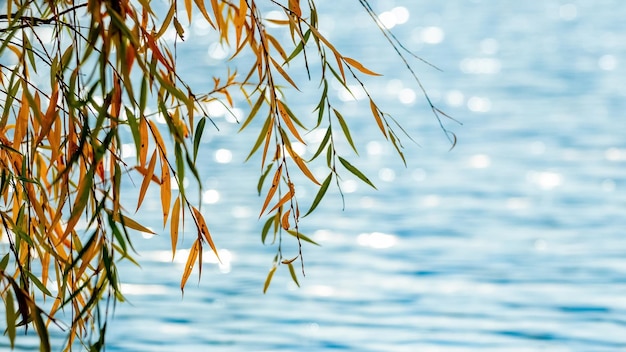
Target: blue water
511,241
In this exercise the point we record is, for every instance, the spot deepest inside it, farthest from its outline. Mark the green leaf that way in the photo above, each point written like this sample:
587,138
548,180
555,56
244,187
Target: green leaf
10,316
355,171
180,167
321,105
292,272
302,237
259,186
300,46
42,329
38,283
322,144
197,137
266,228
4,262
345,129
261,138
143,98
254,110
320,194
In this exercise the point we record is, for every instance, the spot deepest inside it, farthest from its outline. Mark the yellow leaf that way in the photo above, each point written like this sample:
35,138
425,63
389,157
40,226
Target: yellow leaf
203,228
191,260
45,265
272,190
166,189
360,67
200,4
268,140
146,180
269,278
130,223
174,225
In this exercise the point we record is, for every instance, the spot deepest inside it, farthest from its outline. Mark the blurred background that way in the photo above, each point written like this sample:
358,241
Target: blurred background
513,240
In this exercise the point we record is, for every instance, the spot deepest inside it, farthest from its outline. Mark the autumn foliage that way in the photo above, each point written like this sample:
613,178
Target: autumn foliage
70,93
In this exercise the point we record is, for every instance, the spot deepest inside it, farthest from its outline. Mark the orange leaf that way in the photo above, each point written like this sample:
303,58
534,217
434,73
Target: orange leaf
294,6
268,139
285,115
340,65
204,230
301,164
142,170
377,117
286,76
360,67
285,220
200,4
287,197
143,136
188,9
157,137
50,116
191,261
174,225
146,180
272,190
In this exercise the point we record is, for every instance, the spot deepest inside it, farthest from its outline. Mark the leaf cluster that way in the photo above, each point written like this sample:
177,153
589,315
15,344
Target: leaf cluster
70,102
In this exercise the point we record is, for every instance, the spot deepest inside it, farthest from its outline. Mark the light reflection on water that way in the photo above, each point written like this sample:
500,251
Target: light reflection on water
512,241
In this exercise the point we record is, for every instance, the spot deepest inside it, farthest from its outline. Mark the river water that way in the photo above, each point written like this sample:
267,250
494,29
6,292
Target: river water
512,241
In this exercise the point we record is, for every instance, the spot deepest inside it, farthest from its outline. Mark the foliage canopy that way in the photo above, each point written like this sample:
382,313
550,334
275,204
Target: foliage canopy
69,94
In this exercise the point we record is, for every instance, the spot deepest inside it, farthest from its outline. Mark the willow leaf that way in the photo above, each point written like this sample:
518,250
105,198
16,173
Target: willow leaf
378,118
355,171
198,137
191,261
268,279
10,317
360,67
322,144
272,190
204,229
266,228
302,237
259,186
301,164
147,179
254,110
292,272
345,129
320,194
130,223
287,119
174,221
